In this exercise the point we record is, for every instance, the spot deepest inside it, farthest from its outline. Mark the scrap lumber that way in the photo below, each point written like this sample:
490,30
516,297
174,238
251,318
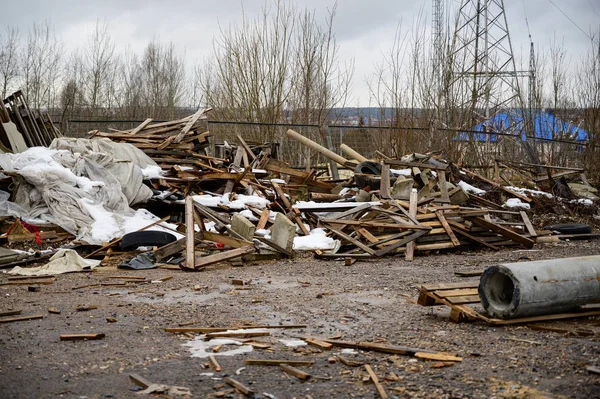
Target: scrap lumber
277,362
190,242
239,386
302,375
200,262
373,376
371,346
412,210
496,185
81,337
21,318
510,234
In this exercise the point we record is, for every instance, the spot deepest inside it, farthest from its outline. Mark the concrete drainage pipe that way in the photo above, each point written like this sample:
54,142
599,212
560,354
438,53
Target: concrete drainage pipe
541,287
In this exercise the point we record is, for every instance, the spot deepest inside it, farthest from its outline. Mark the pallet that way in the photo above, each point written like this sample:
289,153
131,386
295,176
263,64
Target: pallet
457,296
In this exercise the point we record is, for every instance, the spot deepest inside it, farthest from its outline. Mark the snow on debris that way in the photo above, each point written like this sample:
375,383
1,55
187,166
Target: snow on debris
525,191
471,189
516,203
315,240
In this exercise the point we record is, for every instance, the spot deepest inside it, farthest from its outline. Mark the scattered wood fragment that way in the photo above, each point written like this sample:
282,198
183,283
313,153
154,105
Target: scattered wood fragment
235,334
380,390
277,362
22,318
81,337
239,386
10,313
214,362
302,375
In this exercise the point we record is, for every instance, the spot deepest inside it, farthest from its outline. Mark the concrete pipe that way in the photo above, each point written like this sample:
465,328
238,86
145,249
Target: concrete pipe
352,153
320,149
525,289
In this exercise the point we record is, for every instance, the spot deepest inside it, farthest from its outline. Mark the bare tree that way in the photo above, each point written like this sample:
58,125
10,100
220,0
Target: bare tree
9,60
41,65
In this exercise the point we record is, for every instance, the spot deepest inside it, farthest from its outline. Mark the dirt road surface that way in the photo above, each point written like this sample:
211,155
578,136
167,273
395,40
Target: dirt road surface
368,301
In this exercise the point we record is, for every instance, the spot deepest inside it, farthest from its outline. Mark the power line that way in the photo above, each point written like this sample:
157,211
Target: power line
573,22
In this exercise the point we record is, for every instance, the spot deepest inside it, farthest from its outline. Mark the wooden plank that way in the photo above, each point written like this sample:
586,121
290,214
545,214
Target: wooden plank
528,225
81,337
140,127
10,313
412,210
203,261
264,218
526,242
302,375
350,212
384,225
214,363
384,188
239,386
443,186
289,208
246,147
236,334
350,239
174,247
139,380
190,124
533,319
450,286
446,226
202,330
318,343
471,237
443,357
22,318
456,292
190,238
380,390
371,346
404,241
275,246
462,300
277,362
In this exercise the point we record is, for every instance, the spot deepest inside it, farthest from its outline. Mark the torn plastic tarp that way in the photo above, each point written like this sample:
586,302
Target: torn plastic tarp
81,185
143,261
63,261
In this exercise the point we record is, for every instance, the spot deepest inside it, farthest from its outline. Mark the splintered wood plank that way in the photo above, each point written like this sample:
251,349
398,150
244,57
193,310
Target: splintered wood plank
462,300
277,362
443,186
302,375
412,210
456,292
516,237
318,343
350,239
439,357
384,189
366,233
140,126
239,386
22,318
289,208
81,337
264,218
528,225
407,240
559,316
449,286
190,124
203,261
236,334
246,147
471,237
190,242
380,390
447,228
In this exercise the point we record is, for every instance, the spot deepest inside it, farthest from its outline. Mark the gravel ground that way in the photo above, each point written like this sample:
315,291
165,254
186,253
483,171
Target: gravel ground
367,301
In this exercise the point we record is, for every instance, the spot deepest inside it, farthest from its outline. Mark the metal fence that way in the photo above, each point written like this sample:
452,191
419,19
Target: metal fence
459,146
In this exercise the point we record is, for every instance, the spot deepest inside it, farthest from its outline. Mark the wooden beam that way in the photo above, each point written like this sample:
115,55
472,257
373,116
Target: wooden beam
190,242
526,242
412,210
446,226
190,124
203,261
375,380
494,184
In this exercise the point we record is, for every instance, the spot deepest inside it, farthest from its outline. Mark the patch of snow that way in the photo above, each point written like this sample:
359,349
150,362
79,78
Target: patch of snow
105,227
526,191
201,348
262,232
182,167
251,200
516,203
349,351
469,188
152,172
247,213
259,171
582,201
278,181
293,343
401,172
207,200
316,240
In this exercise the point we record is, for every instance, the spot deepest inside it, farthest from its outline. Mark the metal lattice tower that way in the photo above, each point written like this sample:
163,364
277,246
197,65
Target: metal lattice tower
485,78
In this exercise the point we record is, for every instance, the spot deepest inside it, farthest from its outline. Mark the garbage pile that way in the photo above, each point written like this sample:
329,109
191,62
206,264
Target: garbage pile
160,187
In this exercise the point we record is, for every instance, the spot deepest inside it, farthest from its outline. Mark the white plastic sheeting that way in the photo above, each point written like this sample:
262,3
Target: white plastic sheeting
85,186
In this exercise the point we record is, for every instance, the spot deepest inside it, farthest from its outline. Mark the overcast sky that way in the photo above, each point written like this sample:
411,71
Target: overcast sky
364,29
